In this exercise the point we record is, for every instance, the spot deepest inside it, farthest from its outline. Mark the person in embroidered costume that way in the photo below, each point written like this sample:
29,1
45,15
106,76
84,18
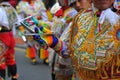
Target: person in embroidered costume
95,42
8,16
35,8
61,64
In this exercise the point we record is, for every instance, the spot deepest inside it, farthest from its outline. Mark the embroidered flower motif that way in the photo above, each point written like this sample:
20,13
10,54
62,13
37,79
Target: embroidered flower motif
100,43
85,58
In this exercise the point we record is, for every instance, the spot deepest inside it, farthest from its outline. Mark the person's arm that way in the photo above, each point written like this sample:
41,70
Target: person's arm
52,41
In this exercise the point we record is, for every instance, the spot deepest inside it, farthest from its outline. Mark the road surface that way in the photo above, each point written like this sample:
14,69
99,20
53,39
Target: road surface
27,71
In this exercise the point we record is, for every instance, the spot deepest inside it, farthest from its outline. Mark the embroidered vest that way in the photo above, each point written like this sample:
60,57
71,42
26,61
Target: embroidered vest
96,55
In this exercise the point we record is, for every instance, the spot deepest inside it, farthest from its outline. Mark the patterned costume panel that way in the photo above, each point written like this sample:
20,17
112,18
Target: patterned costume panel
96,54
3,49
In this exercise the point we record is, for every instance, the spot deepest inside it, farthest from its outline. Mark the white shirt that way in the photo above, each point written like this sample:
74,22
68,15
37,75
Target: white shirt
3,18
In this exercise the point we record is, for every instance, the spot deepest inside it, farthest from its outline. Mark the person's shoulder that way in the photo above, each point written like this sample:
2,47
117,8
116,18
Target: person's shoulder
1,8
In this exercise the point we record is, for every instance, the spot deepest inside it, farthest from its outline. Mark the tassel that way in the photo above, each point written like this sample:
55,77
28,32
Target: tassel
31,52
43,53
27,52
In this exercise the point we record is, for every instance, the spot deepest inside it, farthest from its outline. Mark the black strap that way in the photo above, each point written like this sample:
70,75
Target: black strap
113,9
4,29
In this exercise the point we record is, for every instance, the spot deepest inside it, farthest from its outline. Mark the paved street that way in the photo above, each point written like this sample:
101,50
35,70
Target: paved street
27,71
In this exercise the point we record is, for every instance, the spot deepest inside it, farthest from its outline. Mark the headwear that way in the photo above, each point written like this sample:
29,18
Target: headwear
55,8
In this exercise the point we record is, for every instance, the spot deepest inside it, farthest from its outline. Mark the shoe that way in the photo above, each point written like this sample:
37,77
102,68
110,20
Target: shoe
45,61
13,79
33,61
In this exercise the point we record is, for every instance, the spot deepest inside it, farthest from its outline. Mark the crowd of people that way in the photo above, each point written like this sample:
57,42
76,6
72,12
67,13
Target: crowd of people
82,37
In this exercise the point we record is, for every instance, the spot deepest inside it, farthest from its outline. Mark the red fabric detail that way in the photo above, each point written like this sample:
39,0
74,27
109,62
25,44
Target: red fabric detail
25,0
8,39
65,7
2,66
98,13
59,13
88,11
46,53
118,12
10,59
32,52
66,2
13,2
99,27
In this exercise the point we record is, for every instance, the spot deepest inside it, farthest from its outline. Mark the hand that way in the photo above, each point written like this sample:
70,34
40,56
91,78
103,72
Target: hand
65,52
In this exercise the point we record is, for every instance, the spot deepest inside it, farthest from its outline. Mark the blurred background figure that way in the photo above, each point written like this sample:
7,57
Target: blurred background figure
35,8
63,11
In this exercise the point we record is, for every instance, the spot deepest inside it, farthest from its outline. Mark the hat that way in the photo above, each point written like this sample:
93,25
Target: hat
55,8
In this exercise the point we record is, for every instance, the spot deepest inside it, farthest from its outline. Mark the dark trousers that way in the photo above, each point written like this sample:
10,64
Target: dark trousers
53,76
2,74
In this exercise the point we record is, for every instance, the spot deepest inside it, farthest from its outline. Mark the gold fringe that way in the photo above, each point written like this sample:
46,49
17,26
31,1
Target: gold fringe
106,70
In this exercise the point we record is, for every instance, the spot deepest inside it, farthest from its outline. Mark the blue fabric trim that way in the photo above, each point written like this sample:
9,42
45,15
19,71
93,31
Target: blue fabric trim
55,41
